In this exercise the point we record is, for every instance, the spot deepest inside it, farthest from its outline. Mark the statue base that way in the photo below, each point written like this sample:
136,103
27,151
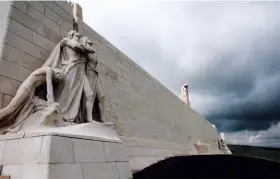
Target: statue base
90,150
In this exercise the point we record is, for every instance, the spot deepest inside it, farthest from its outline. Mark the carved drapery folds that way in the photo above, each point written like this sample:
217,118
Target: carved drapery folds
66,90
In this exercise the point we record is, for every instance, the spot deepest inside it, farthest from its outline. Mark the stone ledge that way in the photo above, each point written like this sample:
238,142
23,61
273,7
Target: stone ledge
88,131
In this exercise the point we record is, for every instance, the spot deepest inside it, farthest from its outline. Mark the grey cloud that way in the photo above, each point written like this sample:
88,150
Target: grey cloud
228,52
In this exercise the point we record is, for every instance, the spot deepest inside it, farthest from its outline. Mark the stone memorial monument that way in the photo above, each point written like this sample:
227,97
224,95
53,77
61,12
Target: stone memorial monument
74,106
185,94
223,145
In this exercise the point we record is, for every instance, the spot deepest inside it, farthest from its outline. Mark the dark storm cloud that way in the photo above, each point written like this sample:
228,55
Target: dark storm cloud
228,53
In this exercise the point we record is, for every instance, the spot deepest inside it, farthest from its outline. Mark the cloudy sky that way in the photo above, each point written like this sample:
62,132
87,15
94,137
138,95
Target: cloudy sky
228,53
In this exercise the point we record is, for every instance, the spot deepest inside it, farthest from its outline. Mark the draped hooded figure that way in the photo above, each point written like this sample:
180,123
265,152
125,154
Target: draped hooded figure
92,75
68,56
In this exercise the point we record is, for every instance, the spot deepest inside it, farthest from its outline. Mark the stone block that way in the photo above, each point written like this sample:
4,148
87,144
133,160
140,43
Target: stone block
62,32
56,150
20,30
202,148
37,5
124,170
1,99
7,99
21,5
56,18
2,149
20,58
115,152
8,86
13,71
65,6
22,151
12,54
41,18
15,171
27,21
148,152
111,74
22,44
100,170
35,171
43,42
53,6
53,35
44,54
69,171
139,163
88,151
65,15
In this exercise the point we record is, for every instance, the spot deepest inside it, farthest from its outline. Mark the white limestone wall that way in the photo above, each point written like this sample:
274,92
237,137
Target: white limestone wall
61,157
140,105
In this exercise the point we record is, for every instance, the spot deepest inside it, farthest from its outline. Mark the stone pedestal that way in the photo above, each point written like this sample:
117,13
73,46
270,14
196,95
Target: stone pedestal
61,155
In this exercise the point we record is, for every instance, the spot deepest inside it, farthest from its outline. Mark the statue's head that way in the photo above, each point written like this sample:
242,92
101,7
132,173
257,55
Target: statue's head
58,75
74,35
86,41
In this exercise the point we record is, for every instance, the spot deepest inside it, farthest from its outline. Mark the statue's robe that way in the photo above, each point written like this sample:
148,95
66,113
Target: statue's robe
69,92
92,76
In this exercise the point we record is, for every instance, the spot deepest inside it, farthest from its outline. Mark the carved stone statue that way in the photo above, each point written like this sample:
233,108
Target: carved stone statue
68,56
25,102
94,81
185,94
223,145
62,92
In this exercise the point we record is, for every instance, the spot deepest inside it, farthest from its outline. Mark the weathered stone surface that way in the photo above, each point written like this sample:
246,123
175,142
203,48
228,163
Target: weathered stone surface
22,44
20,30
37,5
29,151
53,6
7,100
114,152
100,171
1,99
2,149
41,18
35,171
56,18
15,171
148,152
8,86
88,151
124,170
65,15
13,71
56,150
63,171
22,59
43,42
26,20
65,6
21,5
139,163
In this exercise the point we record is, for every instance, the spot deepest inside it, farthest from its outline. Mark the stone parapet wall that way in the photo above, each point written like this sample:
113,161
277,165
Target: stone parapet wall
140,105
